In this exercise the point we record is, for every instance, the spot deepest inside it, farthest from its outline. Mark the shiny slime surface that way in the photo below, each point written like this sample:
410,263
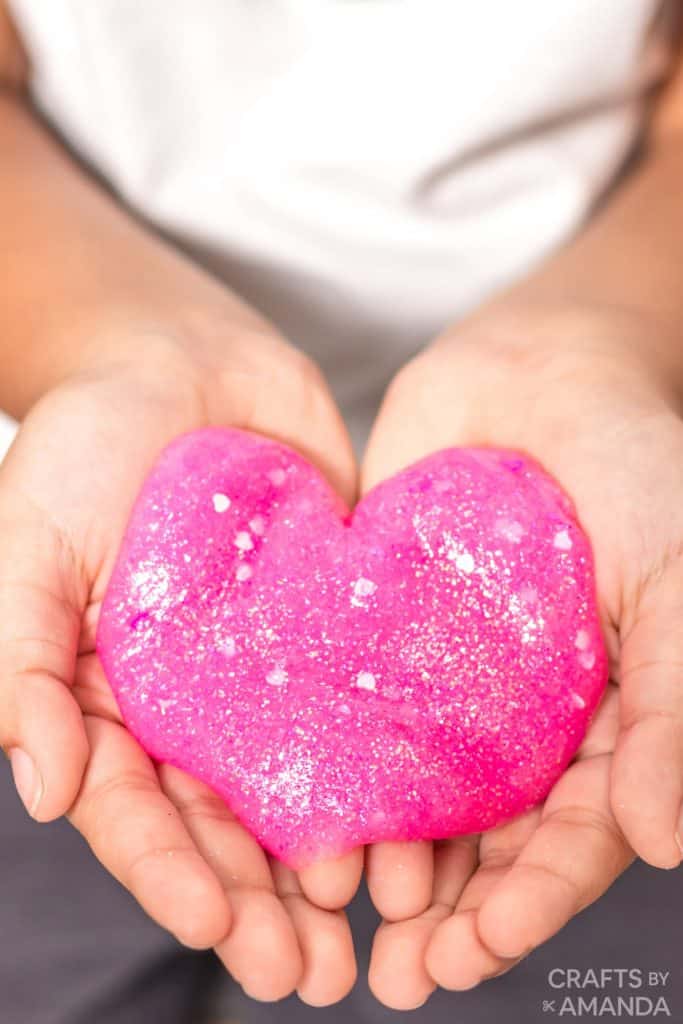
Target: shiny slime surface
424,667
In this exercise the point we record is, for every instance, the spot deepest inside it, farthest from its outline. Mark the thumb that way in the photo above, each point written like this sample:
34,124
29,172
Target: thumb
422,412
647,770
288,399
41,727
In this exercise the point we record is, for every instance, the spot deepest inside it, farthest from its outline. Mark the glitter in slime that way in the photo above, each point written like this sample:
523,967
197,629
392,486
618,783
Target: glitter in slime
424,667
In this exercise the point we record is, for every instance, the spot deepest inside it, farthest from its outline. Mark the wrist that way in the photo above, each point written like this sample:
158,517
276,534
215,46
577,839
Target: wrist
520,352
185,347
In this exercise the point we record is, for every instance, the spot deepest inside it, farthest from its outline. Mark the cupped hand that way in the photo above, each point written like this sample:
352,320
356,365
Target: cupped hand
66,490
576,389
496,896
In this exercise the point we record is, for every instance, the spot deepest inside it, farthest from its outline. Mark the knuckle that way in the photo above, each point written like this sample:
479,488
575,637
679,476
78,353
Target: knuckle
205,808
557,877
303,380
277,375
661,720
303,368
152,856
600,823
413,377
425,383
23,691
97,805
497,858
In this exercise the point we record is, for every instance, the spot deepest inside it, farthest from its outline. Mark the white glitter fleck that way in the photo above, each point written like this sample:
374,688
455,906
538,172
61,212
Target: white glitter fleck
366,681
164,705
578,700
243,541
562,541
221,502
187,559
243,572
464,562
151,584
510,530
419,528
362,587
227,646
257,525
587,660
583,640
277,676
277,477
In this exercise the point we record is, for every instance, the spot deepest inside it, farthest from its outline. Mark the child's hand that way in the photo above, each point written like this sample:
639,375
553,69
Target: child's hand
66,489
496,896
581,393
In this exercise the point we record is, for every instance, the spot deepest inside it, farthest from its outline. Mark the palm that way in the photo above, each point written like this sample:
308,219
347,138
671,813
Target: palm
67,488
496,896
468,908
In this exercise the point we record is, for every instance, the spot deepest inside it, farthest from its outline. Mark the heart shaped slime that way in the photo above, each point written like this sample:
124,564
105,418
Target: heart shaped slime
423,667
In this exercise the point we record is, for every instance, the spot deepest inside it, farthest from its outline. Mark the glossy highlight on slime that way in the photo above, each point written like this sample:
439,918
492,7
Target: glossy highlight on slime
423,667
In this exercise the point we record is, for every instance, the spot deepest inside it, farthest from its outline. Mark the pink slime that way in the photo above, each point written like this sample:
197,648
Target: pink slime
424,667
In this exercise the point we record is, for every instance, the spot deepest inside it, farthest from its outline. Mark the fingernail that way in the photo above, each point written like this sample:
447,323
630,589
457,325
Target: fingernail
27,779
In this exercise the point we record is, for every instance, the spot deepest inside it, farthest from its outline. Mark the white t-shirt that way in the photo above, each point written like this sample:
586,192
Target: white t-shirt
364,171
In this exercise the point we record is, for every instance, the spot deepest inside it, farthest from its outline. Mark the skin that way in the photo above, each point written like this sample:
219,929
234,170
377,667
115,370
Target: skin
168,839
503,893
582,366
114,341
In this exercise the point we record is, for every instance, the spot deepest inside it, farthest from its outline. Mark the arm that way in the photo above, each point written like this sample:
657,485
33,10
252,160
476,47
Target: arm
628,260
72,260
621,276
581,364
111,344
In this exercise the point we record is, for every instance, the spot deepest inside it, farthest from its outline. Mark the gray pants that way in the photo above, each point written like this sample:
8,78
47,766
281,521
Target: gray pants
76,949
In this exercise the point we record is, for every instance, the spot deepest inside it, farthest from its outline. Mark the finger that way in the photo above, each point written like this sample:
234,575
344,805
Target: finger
458,959
455,957
399,878
92,690
647,771
299,410
575,854
411,422
398,975
329,962
138,835
261,951
41,725
331,884
602,733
